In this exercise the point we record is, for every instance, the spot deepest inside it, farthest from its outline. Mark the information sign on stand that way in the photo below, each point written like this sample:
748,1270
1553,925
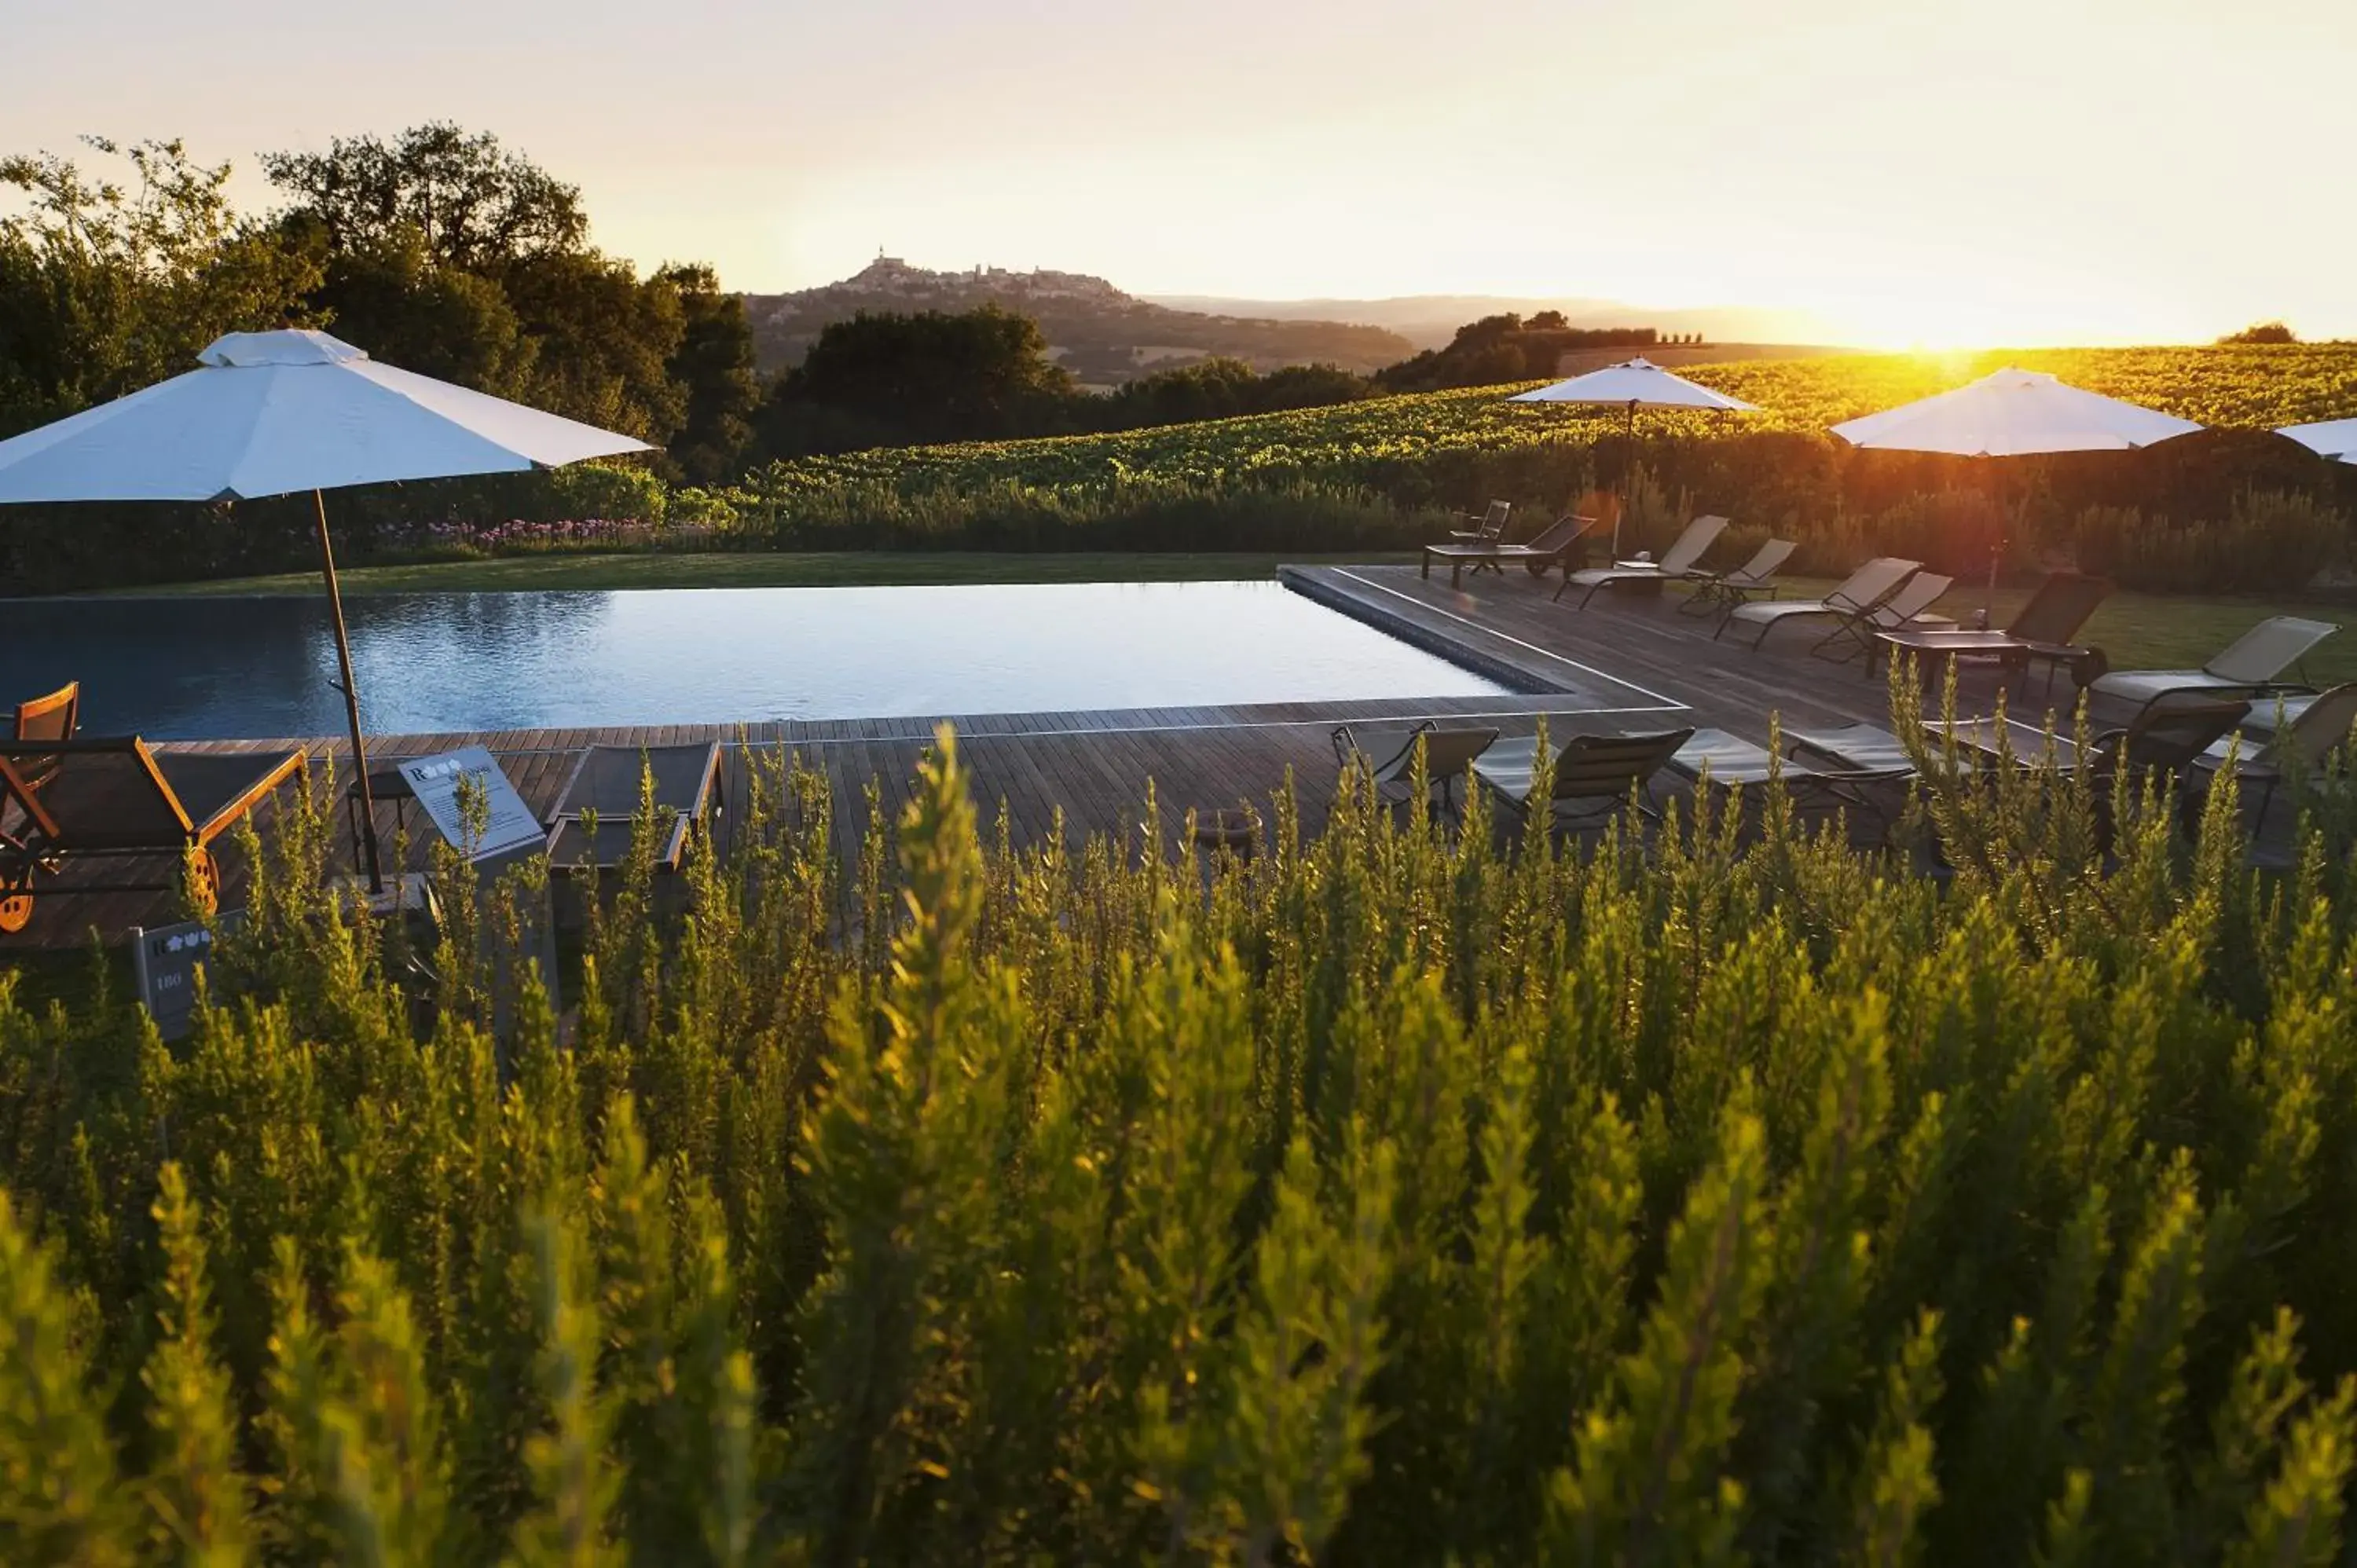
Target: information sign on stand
510,834
510,824
164,964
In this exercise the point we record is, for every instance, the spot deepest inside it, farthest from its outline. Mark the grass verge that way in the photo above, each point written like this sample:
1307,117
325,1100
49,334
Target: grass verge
813,569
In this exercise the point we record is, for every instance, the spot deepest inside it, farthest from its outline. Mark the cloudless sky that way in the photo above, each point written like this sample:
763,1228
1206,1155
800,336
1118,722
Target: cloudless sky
1940,171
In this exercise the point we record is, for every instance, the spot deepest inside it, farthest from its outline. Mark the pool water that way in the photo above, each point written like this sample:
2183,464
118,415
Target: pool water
186,669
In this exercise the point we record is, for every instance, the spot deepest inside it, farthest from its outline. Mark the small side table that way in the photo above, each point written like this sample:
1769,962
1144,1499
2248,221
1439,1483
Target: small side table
2011,654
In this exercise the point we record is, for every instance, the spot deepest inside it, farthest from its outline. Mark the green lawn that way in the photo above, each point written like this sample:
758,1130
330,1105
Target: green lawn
823,569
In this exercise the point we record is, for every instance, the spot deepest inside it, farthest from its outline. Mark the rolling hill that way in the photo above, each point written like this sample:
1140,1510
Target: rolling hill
1428,320
1101,335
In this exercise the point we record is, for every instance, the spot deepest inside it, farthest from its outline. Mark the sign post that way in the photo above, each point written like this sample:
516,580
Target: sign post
506,835
164,964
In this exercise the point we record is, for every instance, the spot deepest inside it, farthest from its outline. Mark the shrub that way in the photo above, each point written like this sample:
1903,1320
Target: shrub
2271,543
1397,1195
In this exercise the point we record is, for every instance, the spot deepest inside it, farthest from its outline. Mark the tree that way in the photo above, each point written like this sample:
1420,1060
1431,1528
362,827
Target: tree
448,254
884,378
1208,389
602,339
391,298
714,366
108,284
471,203
2262,332
1307,386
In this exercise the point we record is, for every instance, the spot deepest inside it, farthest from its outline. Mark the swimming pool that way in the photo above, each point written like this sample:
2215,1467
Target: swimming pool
191,668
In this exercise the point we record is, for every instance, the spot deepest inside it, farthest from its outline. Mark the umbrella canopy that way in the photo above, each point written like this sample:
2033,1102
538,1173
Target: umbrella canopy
2336,439
2014,414
1635,383
270,413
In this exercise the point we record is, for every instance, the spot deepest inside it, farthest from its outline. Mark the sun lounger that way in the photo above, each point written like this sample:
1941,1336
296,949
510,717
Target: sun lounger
607,784
2302,745
2248,668
1722,591
117,800
1593,773
1676,562
1908,612
2170,734
1865,590
1858,749
2166,735
1869,749
2269,714
1551,546
1389,758
1727,761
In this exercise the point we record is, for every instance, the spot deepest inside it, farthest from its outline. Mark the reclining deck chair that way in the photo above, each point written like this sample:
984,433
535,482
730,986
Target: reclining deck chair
1676,563
1722,591
1594,774
1726,761
1909,608
2249,667
1864,591
1389,758
606,785
117,800
1551,546
2301,745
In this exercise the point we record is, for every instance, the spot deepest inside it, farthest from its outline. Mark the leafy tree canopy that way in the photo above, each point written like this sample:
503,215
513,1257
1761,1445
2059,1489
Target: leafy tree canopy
471,203
115,277
454,256
883,378
714,364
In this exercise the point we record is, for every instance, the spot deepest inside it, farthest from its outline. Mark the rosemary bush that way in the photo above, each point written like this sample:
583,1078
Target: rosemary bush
1395,1196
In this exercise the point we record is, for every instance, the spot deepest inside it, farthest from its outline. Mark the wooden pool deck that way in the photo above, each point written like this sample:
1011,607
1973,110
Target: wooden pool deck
1626,663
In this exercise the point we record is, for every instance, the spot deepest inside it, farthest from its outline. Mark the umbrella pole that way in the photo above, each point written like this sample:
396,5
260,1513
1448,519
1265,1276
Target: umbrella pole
1628,480
1997,548
351,699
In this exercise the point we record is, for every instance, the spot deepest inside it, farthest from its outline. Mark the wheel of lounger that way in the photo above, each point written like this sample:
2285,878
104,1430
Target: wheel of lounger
15,901
204,882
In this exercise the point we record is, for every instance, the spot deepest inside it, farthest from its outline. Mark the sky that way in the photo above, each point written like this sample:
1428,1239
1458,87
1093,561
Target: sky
1897,172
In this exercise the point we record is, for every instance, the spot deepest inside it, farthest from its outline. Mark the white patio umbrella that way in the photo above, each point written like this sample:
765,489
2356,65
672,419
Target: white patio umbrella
269,413
2335,438
1634,384
2013,414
